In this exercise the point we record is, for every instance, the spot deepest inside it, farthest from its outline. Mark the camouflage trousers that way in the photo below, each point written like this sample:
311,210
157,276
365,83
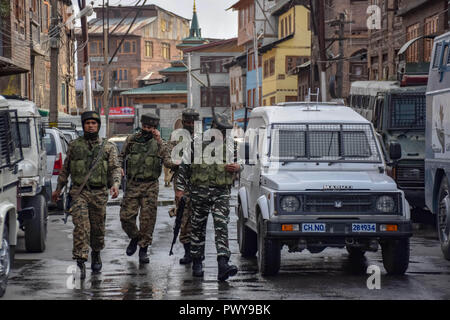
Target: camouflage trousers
206,200
88,216
140,198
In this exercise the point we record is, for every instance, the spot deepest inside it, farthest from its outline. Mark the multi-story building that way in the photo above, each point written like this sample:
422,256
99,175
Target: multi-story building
25,47
385,41
149,46
256,28
211,58
346,40
282,56
422,21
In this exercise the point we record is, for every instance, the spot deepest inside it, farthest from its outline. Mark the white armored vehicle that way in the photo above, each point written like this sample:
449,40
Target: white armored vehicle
34,184
314,177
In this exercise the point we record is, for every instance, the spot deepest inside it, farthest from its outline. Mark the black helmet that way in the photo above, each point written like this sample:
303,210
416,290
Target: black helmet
190,115
150,119
90,115
221,121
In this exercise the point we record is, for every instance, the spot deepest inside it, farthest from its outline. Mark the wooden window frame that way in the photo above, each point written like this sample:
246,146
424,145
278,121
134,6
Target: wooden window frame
165,50
148,45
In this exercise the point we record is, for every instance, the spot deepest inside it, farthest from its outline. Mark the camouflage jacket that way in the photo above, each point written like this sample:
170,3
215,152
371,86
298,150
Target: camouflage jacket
110,151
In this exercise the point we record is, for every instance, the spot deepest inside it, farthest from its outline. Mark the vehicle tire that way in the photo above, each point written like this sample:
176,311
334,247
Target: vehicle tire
443,218
36,228
355,252
247,238
395,256
269,252
6,260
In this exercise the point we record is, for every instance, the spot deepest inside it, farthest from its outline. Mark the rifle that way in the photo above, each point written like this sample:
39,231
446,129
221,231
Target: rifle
91,169
177,226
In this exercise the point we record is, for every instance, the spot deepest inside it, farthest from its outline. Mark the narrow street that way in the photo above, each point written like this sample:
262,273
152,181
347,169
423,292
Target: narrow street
304,276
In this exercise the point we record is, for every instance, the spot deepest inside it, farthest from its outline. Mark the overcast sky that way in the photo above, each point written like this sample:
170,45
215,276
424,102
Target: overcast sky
214,21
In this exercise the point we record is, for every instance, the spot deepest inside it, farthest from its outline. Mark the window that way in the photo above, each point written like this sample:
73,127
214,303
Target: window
120,74
165,50
412,54
215,64
431,28
95,47
266,69
220,97
293,61
249,98
149,49
97,75
271,66
127,47
45,23
272,101
282,29
290,24
250,62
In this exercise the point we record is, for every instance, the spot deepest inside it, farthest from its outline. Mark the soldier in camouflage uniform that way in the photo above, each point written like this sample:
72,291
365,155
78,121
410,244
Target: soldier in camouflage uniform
188,117
210,188
89,207
143,153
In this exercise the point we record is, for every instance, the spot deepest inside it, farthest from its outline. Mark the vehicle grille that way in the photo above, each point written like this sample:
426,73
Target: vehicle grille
336,203
411,176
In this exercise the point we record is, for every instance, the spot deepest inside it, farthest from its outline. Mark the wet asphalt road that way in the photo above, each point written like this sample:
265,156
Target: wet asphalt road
328,275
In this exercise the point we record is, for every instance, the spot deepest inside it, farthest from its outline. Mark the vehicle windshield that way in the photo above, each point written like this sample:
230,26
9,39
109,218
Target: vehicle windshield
25,137
50,144
407,111
324,143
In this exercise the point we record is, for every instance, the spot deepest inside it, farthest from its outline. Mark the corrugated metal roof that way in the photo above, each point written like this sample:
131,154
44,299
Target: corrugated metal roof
160,88
96,25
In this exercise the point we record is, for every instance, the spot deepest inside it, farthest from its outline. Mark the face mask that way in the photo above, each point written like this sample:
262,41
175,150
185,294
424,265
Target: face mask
91,135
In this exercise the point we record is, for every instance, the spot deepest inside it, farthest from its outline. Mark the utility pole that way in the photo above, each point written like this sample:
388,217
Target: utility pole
106,65
87,69
322,52
190,80
255,52
54,67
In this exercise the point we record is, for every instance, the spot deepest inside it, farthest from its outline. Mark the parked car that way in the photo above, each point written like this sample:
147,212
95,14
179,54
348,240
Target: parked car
56,145
119,141
315,177
34,184
10,157
68,128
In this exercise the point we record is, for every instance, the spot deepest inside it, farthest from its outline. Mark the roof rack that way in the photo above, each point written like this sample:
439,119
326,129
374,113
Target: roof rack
303,103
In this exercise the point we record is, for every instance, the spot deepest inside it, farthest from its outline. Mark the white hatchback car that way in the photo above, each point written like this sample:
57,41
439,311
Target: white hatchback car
56,146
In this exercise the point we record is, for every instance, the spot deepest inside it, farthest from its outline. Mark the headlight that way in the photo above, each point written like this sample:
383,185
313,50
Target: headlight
386,204
290,204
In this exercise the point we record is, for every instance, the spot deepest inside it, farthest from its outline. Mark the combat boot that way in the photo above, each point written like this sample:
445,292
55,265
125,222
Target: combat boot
132,246
197,267
225,270
80,264
96,261
143,256
187,254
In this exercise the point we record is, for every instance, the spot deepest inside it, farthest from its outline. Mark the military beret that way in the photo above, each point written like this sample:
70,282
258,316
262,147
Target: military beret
222,122
190,114
90,115
151,119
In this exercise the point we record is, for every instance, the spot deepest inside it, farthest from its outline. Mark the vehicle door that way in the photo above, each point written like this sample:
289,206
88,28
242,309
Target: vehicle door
251,174
50,147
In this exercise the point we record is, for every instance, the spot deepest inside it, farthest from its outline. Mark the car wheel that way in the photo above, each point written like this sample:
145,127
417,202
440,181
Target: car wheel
395,256
269,252
5,260
247,239
443,218
36,228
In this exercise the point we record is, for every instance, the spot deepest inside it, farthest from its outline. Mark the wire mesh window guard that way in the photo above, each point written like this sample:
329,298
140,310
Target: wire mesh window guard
324,143
407,111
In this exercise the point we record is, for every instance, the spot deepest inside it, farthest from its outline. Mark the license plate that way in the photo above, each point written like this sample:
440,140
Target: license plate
314,227
364,227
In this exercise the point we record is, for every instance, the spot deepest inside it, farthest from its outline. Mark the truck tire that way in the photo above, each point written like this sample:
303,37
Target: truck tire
36,228
269,252
247,240
6,260
395,256
443,218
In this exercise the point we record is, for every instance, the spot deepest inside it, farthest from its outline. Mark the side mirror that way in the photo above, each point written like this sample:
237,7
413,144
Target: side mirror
395,151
